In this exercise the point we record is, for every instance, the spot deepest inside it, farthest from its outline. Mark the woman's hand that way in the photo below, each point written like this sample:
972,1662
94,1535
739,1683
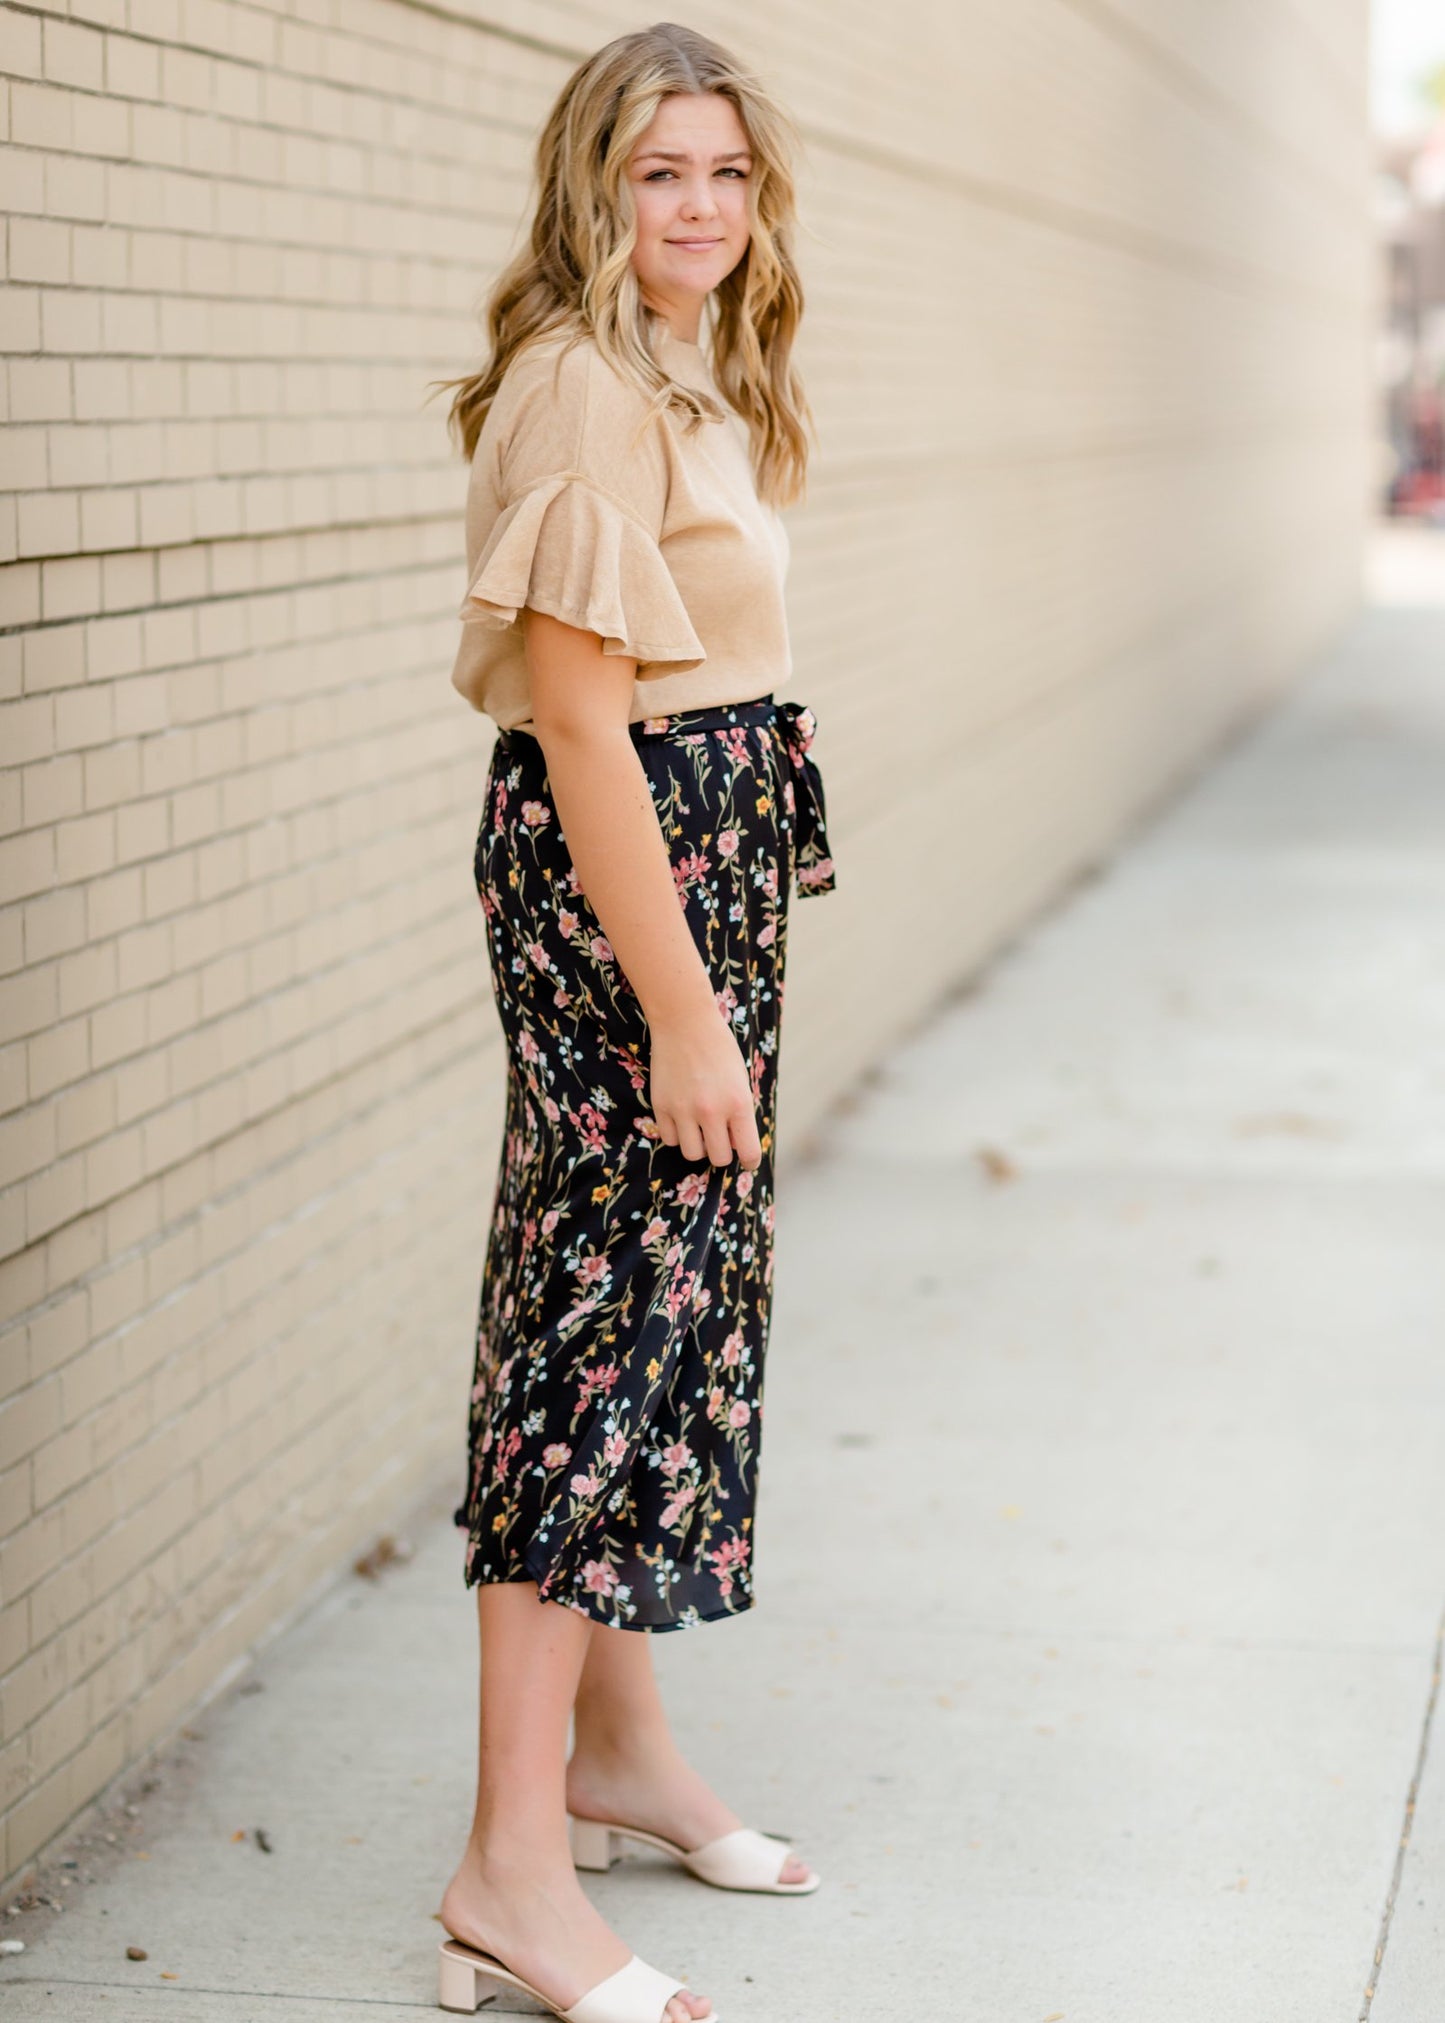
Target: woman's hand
701,1096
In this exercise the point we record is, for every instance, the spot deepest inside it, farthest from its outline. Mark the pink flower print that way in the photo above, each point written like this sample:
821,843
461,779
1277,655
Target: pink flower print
739,1412
715,1403
567,922
536,814
599,1378
733,1552
815,874
528,1048
539,955
655,1230
690,1191
768,935
593,1270
690,870
599,1577
732,1349
550,1107
593,1126
677,1503
601,948
586,1485
744,1186
726,1001
506,1452
675,1458
678,1297
646,1127
653,726
556,1454
727,843
561,999
702,1298
550,1220
614,1450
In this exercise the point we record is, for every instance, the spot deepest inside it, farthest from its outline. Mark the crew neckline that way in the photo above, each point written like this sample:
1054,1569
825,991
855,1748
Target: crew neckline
683,343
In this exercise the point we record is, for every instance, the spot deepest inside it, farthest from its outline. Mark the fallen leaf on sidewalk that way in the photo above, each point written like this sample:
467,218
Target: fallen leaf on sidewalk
263,1840
1289,1123
136,1953
387,1551
997,1165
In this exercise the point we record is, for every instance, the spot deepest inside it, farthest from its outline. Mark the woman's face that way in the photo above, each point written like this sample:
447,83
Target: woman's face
689,174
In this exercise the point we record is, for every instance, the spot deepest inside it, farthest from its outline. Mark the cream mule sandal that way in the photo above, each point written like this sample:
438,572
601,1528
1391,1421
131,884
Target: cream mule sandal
636,1993
741,1860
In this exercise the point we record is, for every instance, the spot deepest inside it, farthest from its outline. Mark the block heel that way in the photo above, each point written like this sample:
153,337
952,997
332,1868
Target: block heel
462,1985
594,1844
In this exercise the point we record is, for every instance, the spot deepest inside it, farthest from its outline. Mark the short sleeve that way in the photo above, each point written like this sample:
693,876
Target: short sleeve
578,533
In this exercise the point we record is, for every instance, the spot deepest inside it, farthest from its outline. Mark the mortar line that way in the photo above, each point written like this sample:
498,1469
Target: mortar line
1406,1825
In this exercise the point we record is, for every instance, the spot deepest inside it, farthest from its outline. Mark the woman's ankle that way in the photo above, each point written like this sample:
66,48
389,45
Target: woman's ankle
503,1850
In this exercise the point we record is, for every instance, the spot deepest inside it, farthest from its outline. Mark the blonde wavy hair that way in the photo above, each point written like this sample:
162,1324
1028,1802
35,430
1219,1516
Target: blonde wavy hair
575,274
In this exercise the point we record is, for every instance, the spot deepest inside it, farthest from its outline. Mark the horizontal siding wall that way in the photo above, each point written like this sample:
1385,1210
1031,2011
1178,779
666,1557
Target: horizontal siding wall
1086,339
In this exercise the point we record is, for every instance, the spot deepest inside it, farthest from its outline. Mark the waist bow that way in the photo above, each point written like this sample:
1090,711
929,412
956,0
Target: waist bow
813,861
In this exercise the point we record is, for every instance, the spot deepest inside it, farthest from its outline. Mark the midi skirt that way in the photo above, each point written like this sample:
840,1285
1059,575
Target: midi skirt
616,1407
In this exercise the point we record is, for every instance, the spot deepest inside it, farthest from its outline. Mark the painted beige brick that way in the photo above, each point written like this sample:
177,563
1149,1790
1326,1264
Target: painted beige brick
75,189
39,250
56,1058
69,584
28,1421
1094,479
132,67
74,54
19,44
53,923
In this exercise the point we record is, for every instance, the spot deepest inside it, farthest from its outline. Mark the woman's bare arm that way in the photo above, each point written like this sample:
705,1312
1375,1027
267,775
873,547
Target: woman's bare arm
701,1096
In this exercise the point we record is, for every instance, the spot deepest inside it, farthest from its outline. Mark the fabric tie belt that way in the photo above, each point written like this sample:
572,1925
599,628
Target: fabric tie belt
813,860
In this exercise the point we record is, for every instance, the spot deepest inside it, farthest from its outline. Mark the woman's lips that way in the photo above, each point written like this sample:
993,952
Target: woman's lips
695,245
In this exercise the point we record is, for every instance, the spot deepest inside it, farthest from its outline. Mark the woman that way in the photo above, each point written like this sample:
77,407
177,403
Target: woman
624,626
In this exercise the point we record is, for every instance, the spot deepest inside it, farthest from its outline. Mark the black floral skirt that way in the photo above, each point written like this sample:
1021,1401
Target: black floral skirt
616,1410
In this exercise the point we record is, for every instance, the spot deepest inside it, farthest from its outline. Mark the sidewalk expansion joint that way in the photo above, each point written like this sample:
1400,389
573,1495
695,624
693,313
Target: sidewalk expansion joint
1406,1825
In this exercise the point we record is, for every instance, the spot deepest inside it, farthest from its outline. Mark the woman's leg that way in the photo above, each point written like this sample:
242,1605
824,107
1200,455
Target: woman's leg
515,1893
625,1765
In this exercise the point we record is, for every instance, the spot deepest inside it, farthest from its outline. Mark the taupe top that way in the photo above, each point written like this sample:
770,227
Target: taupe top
661,546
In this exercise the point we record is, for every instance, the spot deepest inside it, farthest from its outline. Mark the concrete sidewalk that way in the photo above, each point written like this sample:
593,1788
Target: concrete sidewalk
1102,1543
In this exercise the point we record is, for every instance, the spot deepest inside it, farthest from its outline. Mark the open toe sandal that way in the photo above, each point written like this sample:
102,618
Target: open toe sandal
636,1993
741,1860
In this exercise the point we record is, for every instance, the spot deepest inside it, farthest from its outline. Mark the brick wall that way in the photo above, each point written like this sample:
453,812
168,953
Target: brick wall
1087,341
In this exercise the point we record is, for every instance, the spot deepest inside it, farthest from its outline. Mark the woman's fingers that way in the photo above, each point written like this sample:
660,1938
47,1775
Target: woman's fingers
745,1137
715,1137
666,1126
690,1139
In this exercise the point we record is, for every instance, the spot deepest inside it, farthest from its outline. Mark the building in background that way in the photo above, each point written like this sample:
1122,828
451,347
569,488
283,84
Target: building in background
1090,307
1410,208
1408,113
